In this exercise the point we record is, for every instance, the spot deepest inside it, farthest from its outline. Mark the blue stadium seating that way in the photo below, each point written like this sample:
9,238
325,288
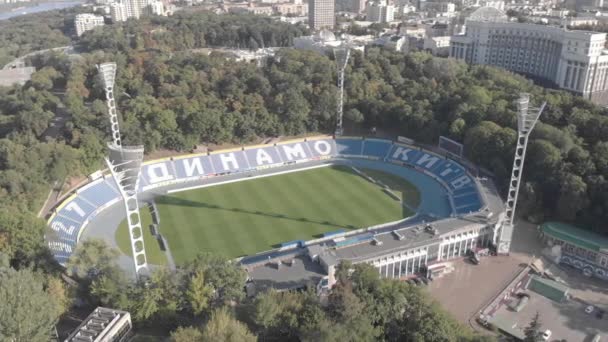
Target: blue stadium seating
73,214
456,169
468,209
464,190
100,193
354,240
64,229
349,146
376,148
467,203
470,198
412,155
335,232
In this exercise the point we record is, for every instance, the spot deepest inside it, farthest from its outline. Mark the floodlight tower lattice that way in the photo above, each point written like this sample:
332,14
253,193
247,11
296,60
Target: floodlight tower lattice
526,120
125,165
341,54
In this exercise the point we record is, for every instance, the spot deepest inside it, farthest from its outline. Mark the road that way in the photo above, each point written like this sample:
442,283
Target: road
20,61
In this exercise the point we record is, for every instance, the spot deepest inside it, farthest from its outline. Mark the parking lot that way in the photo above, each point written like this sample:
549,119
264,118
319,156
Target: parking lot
567,320
466,290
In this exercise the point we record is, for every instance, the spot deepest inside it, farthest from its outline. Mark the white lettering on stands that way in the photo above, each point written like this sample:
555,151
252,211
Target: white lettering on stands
448,170
60,227
322,147
229,158
158,173
191,165
60,247
262,157
430,160
460,182
73,206
401,153
296,151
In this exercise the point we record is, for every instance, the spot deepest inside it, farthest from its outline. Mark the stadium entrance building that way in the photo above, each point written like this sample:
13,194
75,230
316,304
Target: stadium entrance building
581,249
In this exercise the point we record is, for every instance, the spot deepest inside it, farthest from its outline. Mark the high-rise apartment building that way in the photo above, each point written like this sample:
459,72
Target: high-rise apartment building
87,21
380,12
357,6
118,11
573,60
321,14
135,8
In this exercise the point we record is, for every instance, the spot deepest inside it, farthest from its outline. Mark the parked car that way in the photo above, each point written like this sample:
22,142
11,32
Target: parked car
589,309
547,335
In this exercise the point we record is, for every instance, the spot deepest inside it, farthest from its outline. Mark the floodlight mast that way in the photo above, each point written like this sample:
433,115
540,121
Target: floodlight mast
341,54
526,120
125,165
107,72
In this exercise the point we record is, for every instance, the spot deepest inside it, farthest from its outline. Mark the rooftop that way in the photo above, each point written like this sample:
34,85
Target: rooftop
576,236
98,326
287,276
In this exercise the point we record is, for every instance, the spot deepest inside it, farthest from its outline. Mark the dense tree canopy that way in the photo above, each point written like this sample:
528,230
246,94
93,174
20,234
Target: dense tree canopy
28,312
24,34
362,307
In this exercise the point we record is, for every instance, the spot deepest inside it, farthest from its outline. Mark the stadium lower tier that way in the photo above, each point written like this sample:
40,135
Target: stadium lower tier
458,192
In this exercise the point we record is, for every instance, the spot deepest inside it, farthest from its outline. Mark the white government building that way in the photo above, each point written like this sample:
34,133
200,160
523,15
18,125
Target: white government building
573,60
87,21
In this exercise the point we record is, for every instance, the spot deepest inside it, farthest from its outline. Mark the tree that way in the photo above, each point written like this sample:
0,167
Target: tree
92,258
222,327
198,294
159,297
267,309
28,313
22,232
225,277
572,196
112,289
533,331
186,334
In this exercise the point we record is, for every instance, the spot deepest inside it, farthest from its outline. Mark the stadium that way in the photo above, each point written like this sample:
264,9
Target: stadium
290,211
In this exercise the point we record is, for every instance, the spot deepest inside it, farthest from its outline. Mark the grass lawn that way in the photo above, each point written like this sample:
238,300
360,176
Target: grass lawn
153,253
408,193
251,216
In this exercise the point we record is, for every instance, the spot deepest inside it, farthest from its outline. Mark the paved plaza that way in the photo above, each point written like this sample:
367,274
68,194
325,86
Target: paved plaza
469,288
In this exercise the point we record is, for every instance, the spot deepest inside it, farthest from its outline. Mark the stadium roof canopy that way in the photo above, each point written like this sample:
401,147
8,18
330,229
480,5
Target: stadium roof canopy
576,236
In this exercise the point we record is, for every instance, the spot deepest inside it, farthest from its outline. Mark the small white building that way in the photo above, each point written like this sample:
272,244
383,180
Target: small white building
438,46
157,8
439,8
581,21
87,21
103,324
392,42
325,40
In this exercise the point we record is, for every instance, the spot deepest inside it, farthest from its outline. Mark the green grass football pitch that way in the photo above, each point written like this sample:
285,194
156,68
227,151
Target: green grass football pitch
247,217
